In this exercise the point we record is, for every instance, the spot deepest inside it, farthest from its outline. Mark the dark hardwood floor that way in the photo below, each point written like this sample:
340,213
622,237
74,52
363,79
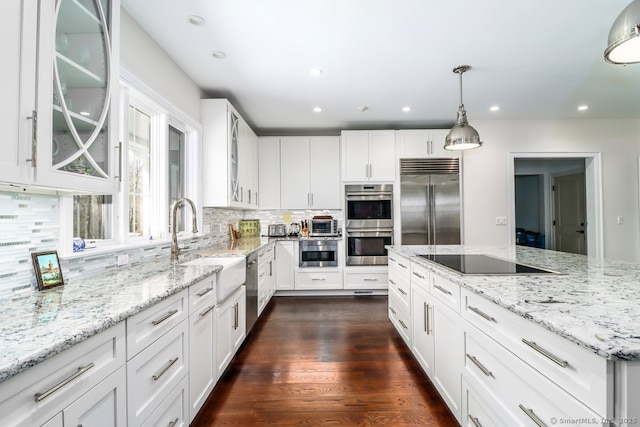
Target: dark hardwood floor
324,361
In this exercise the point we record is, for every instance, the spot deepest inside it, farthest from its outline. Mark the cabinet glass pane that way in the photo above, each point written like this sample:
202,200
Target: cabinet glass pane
81,92
235,183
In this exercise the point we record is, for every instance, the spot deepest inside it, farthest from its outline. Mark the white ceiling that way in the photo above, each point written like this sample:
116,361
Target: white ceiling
535,59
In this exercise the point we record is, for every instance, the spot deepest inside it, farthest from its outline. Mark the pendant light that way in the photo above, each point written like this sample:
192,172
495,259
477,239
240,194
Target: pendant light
462,136
623,46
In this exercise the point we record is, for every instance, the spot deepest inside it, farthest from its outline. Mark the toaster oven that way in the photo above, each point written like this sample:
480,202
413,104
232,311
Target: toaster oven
323,227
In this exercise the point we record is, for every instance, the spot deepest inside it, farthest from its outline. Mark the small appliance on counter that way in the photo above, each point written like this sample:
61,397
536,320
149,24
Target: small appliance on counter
323,226
277,230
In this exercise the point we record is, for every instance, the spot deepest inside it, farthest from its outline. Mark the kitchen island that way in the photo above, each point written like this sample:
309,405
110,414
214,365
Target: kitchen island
586,316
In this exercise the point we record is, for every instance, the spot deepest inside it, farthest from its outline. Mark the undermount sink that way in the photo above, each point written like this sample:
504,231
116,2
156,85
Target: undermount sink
231,277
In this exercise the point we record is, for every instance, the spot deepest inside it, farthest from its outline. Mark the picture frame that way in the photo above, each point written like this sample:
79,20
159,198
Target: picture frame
47,268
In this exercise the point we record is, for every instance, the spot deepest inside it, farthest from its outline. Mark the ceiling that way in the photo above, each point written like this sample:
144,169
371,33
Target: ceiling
534,59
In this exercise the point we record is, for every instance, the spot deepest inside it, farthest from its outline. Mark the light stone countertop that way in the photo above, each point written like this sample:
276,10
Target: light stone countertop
598,301
37,325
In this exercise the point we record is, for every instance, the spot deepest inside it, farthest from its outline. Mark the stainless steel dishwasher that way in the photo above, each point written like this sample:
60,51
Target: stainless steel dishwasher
252,290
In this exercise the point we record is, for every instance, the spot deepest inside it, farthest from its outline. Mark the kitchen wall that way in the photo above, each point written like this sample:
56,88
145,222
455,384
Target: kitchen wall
485,175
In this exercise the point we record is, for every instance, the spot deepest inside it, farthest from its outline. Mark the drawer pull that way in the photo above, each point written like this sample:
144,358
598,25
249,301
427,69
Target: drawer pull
204,292
163,318
392,259
204,313
443,290
402,291
545,353
419,275
370,280
392,282
482,314
533,416
475,421
81,370
403,325
164,369
174,422
479,365
392,310
318,279
402,265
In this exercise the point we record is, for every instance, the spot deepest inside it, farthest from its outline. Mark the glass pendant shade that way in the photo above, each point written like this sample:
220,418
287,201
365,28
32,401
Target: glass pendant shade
462,136
623,46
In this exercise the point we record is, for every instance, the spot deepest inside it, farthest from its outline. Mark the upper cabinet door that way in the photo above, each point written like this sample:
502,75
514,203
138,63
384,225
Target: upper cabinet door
295,187
382,155
421,143
18,89
325,172
355,146
76,115
368,156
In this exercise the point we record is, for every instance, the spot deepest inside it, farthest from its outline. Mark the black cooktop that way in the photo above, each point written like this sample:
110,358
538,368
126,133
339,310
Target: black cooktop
484,264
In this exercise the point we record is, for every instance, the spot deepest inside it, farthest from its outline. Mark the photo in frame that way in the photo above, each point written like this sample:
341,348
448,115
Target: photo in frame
47,269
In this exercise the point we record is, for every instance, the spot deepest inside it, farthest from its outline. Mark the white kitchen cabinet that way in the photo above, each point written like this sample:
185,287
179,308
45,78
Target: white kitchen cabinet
399,296
286,263
310,173
228,151
63,379
230,328
266,276
368,155
320,278
269,172
202,344
103,405
370,277
66,132
422,143
173,411
422,323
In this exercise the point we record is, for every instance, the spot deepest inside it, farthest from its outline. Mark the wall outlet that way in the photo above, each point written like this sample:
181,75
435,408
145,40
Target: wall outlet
620,220
123,259
501,220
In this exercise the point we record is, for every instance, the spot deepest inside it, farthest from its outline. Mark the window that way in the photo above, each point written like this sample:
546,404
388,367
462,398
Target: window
159,141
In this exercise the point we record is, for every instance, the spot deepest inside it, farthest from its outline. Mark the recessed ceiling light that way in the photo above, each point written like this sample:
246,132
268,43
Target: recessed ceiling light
406,109
583,107
494,108
315,72
196,20
218,54
363,108
317,110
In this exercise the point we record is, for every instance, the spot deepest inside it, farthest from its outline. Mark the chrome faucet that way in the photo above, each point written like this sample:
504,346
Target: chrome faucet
174,237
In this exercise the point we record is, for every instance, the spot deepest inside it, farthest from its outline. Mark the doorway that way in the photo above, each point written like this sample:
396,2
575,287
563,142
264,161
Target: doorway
532,177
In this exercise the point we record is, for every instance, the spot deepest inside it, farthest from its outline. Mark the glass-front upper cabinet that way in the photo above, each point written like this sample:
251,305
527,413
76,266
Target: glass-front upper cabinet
77,112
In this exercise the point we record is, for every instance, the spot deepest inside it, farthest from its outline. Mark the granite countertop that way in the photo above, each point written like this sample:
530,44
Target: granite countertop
37,325
596,303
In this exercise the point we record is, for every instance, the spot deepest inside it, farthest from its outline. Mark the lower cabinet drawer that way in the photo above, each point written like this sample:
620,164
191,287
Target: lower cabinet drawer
365,280
318,280
580,372
480,409
37,394
153,373
526,395
400,317
174,409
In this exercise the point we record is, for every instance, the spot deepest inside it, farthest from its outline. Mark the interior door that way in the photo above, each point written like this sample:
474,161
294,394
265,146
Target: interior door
570,213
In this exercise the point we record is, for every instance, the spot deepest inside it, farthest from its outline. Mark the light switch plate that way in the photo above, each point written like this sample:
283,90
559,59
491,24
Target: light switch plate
123,259
501,220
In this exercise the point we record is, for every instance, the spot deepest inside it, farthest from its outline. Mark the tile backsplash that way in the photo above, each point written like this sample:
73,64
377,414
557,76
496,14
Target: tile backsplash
30,223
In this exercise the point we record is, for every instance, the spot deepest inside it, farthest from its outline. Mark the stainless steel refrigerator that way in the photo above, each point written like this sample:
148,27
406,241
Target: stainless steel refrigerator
430,201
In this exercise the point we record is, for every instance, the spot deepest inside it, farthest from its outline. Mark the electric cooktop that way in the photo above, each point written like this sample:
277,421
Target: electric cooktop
484,265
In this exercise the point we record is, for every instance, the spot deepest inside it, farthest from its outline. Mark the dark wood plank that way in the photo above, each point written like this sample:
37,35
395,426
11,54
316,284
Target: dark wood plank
325,361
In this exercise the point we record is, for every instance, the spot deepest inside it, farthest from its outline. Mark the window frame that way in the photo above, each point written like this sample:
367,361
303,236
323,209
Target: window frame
163,114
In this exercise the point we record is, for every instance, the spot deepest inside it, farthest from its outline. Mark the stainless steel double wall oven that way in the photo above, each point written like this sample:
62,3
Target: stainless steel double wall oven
368,223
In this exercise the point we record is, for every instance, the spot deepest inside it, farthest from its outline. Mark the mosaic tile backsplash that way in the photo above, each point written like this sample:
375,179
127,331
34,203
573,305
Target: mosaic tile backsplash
30,223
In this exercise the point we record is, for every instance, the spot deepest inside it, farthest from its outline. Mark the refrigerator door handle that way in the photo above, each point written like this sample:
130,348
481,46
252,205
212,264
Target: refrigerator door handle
433,213
429,213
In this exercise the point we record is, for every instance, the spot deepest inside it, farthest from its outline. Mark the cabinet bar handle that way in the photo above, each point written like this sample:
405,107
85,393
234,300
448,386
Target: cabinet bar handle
81,370
249,190
545,353
479,365
441,289
533,416
402,291
271,268
318,278
311,199
402,265
204,313
475,421
174,422
392,282
392,259
163,318
34,137
204,292
402,323
426,315
482,314
418,274
164,369
370,280
392,310
241,194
